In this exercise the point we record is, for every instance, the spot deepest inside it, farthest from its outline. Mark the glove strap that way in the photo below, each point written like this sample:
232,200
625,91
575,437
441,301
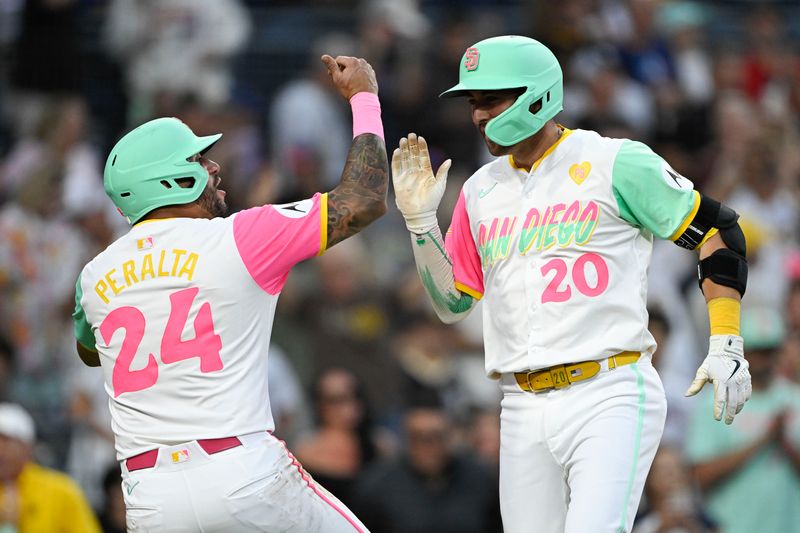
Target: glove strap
422,223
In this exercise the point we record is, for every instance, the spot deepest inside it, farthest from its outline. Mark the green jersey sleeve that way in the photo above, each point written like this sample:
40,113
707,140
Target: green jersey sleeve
83,331
650,194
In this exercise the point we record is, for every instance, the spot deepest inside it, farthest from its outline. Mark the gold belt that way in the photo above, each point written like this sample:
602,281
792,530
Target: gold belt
561,376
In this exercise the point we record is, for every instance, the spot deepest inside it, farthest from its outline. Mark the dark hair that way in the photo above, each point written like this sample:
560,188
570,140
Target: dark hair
364,427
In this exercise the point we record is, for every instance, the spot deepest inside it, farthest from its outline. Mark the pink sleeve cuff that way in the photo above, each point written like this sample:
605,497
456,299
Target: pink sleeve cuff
366,114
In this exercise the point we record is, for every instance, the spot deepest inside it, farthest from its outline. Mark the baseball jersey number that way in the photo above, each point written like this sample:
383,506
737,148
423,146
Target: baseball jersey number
206,344
553,292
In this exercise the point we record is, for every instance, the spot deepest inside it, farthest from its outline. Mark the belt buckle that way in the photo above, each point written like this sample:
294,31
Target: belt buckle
559,377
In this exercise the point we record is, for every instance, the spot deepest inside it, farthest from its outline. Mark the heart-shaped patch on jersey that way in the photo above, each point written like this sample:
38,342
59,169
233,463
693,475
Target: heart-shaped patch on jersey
578,173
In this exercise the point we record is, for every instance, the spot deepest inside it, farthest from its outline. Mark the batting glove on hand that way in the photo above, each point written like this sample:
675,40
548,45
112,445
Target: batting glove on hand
725,367
417,191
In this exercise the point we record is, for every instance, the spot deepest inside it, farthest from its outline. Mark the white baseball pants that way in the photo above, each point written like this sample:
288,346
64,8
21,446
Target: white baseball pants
575,460
258,486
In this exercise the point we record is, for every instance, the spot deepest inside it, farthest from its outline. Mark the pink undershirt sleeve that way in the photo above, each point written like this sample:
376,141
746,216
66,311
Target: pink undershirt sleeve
271,239
460,246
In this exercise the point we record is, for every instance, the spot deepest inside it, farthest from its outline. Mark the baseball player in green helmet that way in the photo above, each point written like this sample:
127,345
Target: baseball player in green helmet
178,313
555,235
157,164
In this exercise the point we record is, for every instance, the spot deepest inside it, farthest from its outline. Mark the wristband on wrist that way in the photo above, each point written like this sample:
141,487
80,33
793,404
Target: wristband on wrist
723,315
366,114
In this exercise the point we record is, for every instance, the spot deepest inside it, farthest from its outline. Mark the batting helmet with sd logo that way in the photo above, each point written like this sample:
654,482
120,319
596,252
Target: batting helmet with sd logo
513,62
141,170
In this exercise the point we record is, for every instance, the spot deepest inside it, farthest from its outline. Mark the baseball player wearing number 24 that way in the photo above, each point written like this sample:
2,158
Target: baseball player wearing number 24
556,236
178,313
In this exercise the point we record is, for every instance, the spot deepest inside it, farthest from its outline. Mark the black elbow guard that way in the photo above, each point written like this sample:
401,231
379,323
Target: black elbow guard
724,267
712,214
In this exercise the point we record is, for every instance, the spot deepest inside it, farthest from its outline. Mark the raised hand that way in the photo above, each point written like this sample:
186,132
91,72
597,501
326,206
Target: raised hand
417,190
351,75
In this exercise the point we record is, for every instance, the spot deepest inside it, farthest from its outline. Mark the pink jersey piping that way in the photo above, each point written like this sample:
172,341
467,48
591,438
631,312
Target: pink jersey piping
314,488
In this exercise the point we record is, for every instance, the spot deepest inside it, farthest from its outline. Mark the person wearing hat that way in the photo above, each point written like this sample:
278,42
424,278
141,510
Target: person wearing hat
555,236
34,498
751,470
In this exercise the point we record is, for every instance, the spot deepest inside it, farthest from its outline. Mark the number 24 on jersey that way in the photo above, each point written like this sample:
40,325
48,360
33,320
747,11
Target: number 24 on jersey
206,344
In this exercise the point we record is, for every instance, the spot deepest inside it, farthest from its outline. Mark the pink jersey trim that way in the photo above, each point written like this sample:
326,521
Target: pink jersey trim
366,114
313,486
460,246
271,239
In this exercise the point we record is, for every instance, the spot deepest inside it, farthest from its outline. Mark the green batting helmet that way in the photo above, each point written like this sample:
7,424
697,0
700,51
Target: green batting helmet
513,62
142,167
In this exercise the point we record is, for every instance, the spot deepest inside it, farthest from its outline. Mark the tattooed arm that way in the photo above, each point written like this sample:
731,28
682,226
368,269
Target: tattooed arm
360,197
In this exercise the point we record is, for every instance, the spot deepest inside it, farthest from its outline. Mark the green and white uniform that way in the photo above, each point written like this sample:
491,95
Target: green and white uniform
560,255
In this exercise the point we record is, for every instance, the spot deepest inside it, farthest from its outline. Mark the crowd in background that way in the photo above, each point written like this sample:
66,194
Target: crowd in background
384,405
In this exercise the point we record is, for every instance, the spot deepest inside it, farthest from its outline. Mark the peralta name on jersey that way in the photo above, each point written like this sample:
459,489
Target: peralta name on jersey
174,263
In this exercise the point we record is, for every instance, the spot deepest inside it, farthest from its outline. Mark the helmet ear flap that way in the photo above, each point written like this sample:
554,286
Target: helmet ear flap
518,122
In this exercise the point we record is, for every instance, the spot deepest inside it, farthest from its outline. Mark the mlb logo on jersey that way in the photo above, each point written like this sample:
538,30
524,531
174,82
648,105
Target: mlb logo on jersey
180,456
144,244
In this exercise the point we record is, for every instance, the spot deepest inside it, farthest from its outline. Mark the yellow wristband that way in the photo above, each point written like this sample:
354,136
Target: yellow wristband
723,314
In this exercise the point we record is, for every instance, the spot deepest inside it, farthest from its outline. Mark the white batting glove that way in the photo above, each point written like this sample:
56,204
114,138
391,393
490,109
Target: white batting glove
417,191
725,367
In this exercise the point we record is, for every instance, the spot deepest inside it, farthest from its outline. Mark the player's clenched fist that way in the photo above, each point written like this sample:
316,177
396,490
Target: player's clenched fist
351,75
727,369
417,190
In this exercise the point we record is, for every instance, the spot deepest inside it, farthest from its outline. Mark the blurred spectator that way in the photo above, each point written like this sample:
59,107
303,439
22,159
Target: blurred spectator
760,194
309,130
736,124
645,56
675,360
91,444
39,258
112,514
770,68
345,441
684,105
750,470
432,488
7,363
345,316
604,99
33,498
57,157
484,438
684,25
176,47
44,68
789,361
672,503
285,396
793,296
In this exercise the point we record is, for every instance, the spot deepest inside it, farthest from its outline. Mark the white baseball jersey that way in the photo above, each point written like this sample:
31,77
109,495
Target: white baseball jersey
561,252
180,311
